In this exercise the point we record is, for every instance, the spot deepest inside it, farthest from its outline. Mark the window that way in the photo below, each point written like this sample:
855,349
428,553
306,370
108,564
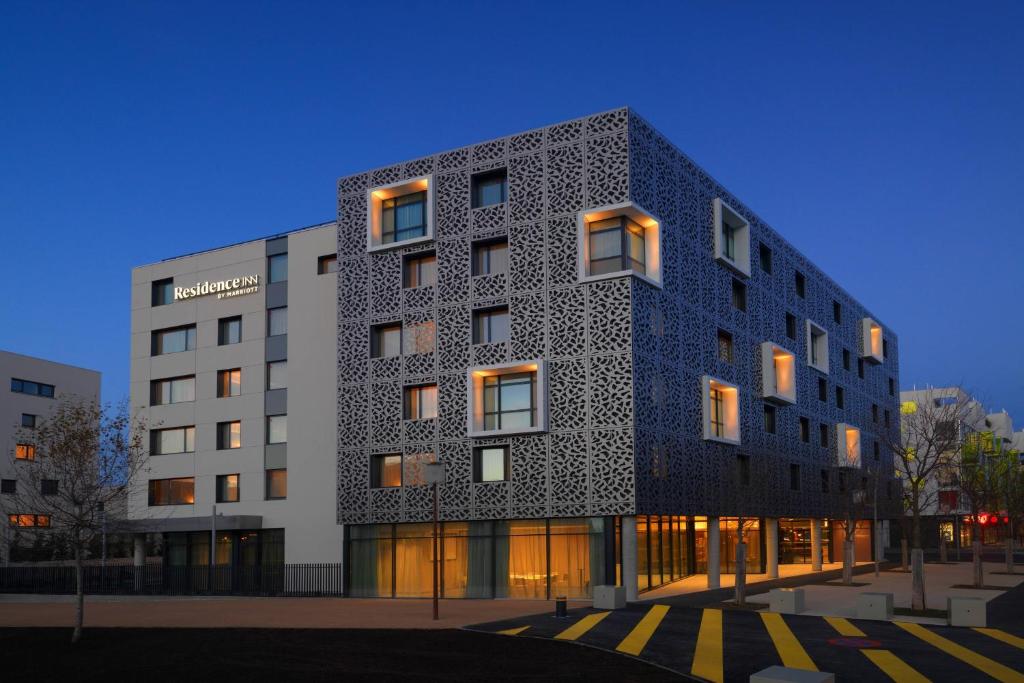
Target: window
41,521
490,326
840,398
823,435
9,486
179,491
732,238
229,435
739,295
794,477
885,348
24,451
421,402
743,469
805,430
848,442
229,383
822,389
277,484
490,463
872,342
778,373
892,387
420,270
277,375
860,368
277,321
791,326
817,347
617,241
23,386
490,188
824,481
874,412
229,330
725,346
800,284
277,268
769,419
163,292
721,411
174,340
507,398
846,359
490,258
277,429
766,258
886,418
386,471
28,420
172,440
386,341
227,488
877,450
400,212
419,337
172,390
49,487
837,312
327,264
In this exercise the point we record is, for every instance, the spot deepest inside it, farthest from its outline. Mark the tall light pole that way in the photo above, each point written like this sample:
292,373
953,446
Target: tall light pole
435,477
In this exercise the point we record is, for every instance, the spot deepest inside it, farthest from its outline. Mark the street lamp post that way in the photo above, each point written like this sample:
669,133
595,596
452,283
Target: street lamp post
435,477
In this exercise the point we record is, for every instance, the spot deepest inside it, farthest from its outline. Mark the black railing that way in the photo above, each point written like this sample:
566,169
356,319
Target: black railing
269,580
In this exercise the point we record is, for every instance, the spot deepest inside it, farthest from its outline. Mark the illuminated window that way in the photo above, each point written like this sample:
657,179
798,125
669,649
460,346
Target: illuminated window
327,264
872,341
778,373
400,213
277,429
227,488
490,326
24,451
276,487
29,521
229,382
174,340
732,238
725,351
277,268
721,411
489,188
180,491
277,375
847,445
419,337
229,435
229,330
490,463
386,340
491,257
619,240
386,471
421,402
172,440
172,390
24,386
163,292
817,347
507,398
420,271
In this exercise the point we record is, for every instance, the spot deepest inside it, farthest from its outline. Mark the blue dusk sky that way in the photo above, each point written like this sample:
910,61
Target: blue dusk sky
884,140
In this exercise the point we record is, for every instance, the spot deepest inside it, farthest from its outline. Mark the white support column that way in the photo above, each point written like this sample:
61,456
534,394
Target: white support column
629,557
816,545
714,561
771,547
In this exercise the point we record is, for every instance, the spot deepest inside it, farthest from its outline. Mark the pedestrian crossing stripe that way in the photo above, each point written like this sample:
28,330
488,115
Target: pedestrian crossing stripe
513,631
707,656
582,626
634,643
789,648
1007,638
891,665
980,662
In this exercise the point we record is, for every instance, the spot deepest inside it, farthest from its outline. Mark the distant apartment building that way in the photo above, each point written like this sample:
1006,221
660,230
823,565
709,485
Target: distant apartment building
31,388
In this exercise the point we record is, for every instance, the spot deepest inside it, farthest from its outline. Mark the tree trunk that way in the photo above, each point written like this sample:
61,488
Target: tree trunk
1009,549
976,561
942,551
848,561
918,601
741,573
79,595
903,555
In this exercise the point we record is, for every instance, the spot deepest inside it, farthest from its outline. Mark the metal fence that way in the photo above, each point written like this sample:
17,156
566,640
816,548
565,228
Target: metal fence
270,580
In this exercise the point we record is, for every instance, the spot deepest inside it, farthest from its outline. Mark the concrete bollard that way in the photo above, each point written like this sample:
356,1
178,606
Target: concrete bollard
609,597
782,674
875,606
966,612
786,600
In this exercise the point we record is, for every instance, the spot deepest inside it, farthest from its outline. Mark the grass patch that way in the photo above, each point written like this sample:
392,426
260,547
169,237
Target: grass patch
981,588
748,606
907,612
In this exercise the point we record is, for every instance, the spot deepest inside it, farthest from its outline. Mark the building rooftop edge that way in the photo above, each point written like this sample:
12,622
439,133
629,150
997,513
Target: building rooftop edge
48,360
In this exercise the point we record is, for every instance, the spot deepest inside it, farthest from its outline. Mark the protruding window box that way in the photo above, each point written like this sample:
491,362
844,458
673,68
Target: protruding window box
721,410
400,214
732,238
778,374
817,347
872,344
507,398
847,445
617,240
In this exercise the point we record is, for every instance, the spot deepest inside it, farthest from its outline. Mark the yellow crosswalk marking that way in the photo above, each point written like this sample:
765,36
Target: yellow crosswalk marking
790,650
634,643
582,626
707,657
980,662
844,627
513,631
894,667
1007,638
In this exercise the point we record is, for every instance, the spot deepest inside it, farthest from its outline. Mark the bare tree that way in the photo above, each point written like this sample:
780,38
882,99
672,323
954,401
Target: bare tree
978,476
850,506
85,454
1010,489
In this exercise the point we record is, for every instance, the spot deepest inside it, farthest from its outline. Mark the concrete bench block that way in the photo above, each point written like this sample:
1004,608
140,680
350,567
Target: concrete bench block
782,674
875,606
609,597
786,600
966,612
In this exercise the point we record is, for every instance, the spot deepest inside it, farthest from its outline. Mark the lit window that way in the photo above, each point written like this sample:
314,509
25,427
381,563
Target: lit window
872,341
327,264
163,292
725,350
419,337
172,390
277,267
490,463
386,471
490,258
229,435
277,484
490,188
179,491
386,341
732,237
229,330
508,398
490,326
24,451
817,347
29,521
721,411
400,213
277,321
619,240
174,340
229,383
848,445
172,440
421,402
420,271
277,429
778,373
227,488
277,375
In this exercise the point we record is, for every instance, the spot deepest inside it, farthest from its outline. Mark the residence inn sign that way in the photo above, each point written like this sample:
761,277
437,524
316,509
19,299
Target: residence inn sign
238,286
